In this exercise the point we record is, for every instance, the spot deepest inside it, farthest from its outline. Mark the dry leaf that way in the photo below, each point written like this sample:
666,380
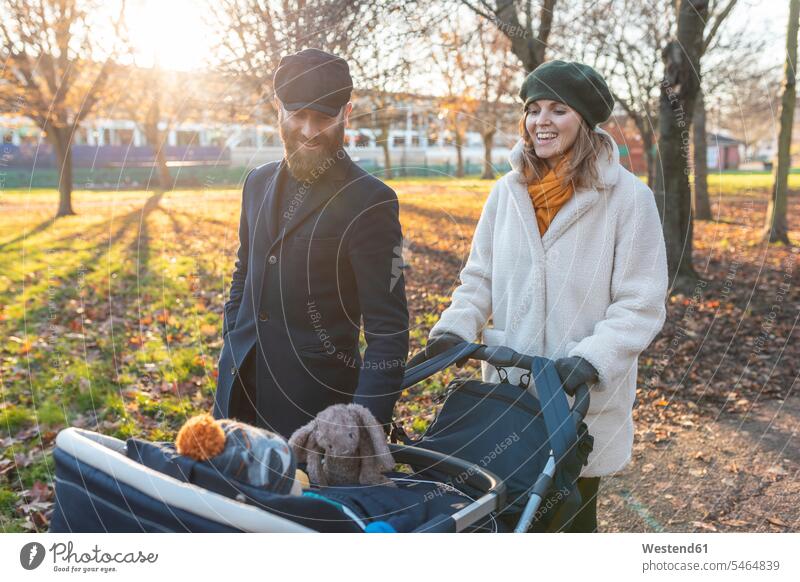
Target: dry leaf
734,522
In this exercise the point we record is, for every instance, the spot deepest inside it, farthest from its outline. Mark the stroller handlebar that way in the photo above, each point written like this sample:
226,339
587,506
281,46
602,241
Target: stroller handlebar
500,356
506,357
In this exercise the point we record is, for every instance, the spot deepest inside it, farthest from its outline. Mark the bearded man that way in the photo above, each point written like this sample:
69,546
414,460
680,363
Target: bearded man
319,250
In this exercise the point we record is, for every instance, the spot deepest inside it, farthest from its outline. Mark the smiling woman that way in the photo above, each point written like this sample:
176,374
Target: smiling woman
157,38
567,262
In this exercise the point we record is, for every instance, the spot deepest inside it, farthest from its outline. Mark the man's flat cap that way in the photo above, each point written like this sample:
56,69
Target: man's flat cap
314,79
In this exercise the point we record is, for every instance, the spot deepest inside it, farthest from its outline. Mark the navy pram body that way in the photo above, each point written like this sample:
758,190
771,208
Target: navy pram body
457,483
109,485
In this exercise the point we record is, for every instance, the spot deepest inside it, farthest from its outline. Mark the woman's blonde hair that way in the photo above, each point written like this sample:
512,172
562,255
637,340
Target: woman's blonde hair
582,170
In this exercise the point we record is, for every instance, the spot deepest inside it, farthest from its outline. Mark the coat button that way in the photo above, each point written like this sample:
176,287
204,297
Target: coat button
233,370
262,316
273,259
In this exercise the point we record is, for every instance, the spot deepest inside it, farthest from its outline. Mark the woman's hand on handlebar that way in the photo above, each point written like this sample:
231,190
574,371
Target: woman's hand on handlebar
436,346
574,372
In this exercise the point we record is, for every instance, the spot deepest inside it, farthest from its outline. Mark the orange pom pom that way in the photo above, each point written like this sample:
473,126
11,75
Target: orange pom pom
201,437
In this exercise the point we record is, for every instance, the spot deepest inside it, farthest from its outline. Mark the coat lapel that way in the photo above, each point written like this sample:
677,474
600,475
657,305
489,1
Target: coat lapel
524,208
262,228
573,209
271,206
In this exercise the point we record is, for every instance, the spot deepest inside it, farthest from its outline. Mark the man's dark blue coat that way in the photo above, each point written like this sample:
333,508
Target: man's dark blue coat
312,262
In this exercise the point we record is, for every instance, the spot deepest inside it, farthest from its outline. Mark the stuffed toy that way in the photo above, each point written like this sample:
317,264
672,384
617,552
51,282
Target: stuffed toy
343,445
247,453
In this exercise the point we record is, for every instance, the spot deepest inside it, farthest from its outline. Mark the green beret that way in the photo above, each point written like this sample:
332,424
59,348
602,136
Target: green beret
575,84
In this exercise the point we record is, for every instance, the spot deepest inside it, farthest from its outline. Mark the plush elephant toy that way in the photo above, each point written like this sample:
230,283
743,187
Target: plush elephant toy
343,445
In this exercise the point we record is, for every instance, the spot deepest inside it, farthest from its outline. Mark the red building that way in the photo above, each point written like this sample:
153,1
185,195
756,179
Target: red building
723,152
631,149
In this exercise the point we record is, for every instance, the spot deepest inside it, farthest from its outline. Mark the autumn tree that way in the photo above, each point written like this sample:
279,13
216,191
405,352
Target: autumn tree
623,40
56,67
144,96
732,74
526,24
676,103
253,35
495,78
381,69
158,101
776,228
458,106
718,12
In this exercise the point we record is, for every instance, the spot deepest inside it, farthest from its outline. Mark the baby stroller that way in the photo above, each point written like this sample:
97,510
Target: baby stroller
496,458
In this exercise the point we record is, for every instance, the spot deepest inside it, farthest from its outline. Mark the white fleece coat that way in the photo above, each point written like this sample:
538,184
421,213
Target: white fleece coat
594,286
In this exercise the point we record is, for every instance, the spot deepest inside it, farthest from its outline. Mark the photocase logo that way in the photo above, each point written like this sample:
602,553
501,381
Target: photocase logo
31,555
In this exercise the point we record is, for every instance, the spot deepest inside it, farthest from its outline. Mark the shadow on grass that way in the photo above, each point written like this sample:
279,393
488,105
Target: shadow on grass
41,227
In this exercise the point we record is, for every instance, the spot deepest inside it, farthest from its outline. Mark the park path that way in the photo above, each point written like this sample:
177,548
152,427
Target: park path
737,472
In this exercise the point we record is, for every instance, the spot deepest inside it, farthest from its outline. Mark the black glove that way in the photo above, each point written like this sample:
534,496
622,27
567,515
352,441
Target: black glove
435,347
574,372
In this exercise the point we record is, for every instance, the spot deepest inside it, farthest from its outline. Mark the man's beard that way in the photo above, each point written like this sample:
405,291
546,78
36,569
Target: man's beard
308,166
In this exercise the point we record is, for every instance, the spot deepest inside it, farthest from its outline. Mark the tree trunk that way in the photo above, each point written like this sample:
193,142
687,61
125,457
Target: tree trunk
645,128
676,104
459,158
702,206
488,168
775,227
529,50
61,140
650,156
387,157
165,181
157,140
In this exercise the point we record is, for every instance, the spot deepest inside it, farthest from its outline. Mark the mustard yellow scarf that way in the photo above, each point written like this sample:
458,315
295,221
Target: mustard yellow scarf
550,193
